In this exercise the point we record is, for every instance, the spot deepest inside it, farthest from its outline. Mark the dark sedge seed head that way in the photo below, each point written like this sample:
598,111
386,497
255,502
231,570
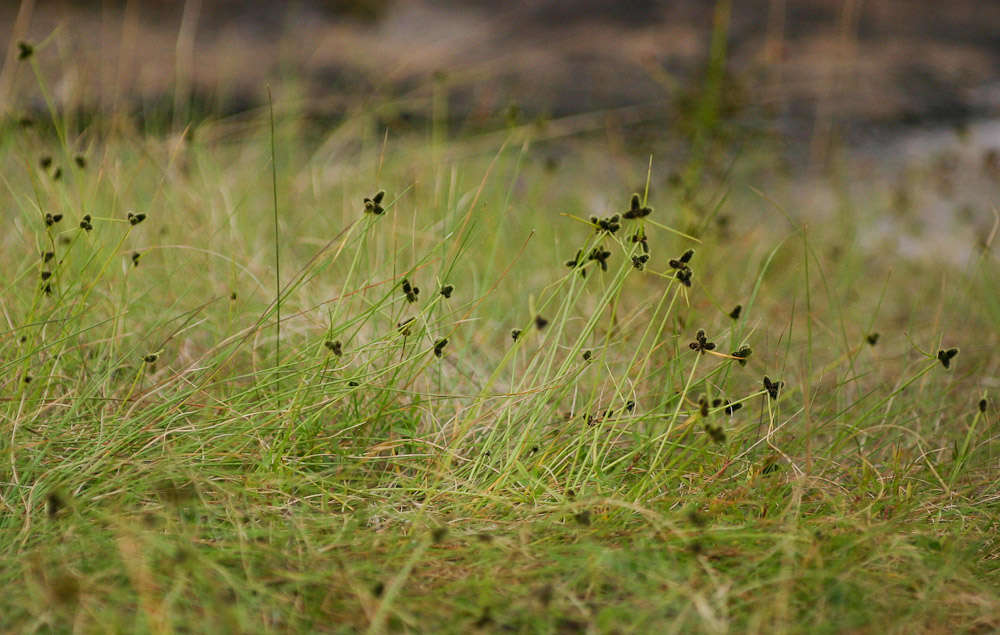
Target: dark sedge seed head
540,322
27,379
353,384
982,405
135,219
583,518
872,339
151,358
630,405
52,219
742,355
135,258
446,290
45,162
703,406
80,160
772,387
945,356
439,534
46,275
232,296
514,334
731,408
735,313
587,355
716,433
334,347
48,255
378,589
57,174
373,206
686,256
47,289
404,326
684,276
439,347
24,50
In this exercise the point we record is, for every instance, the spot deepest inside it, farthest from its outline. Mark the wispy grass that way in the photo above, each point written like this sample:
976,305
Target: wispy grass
640,457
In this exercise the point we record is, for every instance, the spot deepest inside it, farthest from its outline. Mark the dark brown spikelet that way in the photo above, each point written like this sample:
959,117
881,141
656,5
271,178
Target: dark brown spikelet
587,355
945,356
46,275
151,358
48,255
742,355
135,219
772,387
872,339
24,50
717,434
373,204
405,326
135,258
982,405
735,313
439,347
639,262
52,219
601,255
334,347
540,322
684,276
703,406
85,224
701,343
57,174
446,290
45,162
80,160
378,589
514,334
583,518
636,209
411,291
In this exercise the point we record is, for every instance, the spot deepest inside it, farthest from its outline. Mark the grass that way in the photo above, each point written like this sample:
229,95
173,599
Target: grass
406,465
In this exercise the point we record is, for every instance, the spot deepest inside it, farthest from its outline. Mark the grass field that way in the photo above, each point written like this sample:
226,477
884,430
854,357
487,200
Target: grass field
471,406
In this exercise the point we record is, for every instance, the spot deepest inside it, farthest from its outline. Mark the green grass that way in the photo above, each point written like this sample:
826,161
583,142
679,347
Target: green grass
166,466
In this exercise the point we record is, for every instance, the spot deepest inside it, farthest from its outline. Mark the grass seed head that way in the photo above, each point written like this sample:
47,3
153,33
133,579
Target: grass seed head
772,387
446,290
636,209
540,322
334,347
735,313
24,50
982,405
701,343
373,204
439,347
872,339
945,356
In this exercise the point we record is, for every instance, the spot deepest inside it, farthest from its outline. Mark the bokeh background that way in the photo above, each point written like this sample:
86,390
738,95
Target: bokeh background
911,90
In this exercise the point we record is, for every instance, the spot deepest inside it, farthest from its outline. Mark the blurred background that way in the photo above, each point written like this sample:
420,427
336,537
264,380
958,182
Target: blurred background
910,88
801,64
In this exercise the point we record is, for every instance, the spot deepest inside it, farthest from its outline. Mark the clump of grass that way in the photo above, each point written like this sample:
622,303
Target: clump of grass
193,488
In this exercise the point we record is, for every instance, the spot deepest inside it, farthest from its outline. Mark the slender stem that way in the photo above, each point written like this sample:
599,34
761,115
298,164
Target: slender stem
277,258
